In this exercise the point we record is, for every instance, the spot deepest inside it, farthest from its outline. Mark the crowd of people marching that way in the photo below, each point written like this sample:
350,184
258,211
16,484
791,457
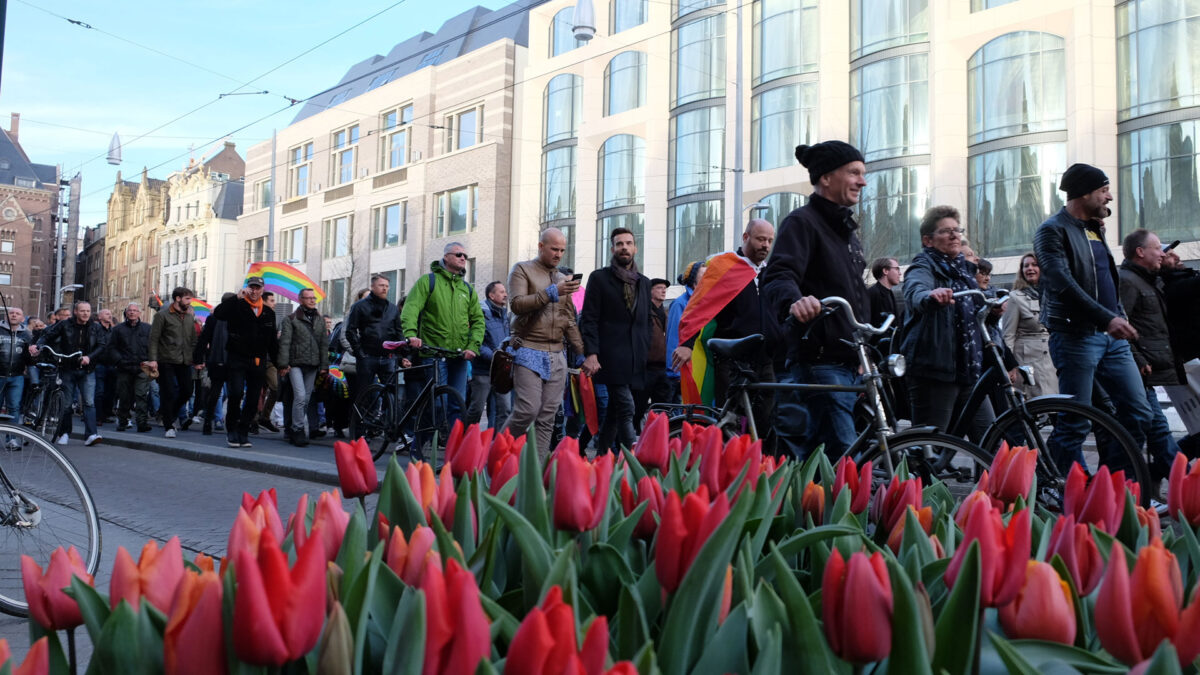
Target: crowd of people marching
1084,325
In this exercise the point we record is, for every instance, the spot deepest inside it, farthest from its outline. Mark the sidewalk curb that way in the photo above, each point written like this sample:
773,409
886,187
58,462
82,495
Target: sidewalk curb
246,460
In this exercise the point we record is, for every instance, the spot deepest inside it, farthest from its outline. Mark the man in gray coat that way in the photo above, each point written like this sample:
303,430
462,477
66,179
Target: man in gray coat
303,354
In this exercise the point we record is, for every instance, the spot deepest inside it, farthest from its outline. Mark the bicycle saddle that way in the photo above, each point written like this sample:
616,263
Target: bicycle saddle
740,349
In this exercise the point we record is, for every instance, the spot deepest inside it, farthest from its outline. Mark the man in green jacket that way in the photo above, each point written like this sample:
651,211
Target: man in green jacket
172,339
442,309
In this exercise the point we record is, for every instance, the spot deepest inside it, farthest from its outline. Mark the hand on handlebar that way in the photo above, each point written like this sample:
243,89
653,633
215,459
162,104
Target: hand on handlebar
469,355
943,296
33,350
806,308
414,342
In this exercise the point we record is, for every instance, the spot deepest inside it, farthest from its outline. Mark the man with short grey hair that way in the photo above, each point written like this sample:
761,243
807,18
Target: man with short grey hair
14,341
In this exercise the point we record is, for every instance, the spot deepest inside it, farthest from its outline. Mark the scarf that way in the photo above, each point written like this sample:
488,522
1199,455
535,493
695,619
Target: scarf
256,306
970,342
629,278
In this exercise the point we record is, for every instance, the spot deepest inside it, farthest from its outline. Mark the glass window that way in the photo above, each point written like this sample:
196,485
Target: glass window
569,231
634,222
628,13
563,102
889,107
697,230
5,279
381,79
1017,84
685,7
562,32
779,205
389,226
299,164
293,245
396,134
980,5
780,119
464,129
393,278
1158,65
1012,191
622,172
7,246
1157,175
558,184
337,296
785,38
337,237
879,24
698,151
262,196
890,211
624,82
345,142
456,211
699,66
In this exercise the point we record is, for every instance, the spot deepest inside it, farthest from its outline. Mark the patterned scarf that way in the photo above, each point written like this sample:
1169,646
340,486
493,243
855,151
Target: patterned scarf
629,276
970,343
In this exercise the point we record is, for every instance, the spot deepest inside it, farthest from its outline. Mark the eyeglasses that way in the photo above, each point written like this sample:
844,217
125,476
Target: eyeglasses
958,231
460,254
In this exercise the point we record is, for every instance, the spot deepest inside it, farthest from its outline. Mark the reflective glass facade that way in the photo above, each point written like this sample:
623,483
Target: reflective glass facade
622,172
562,33
563,103
779,205
626,14
698,151
1017,84
889,107
980,5
625,82
780,119
685,7
1159,178
558,183
696,231
698,67
880,24
1158,62
785,39
890,209
634,222
1012,192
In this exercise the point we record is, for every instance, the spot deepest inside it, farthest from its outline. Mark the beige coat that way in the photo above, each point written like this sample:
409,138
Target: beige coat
539,323
1029,340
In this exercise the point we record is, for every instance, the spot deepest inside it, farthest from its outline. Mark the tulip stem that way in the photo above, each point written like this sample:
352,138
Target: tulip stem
362,501
71,650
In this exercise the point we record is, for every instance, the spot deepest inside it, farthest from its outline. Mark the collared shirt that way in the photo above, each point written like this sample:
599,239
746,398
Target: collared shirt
534,359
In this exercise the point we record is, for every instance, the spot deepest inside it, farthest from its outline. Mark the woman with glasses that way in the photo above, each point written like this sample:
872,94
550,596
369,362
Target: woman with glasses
942,342
1024,333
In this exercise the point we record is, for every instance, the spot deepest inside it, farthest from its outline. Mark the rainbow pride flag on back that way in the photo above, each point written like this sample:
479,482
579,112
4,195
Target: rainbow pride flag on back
201,309
725,276
282,278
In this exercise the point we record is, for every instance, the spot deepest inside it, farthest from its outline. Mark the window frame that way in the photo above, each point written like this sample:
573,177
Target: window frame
299,161
287,248
379,234
343,154
453,128
331,227
390,130
441,205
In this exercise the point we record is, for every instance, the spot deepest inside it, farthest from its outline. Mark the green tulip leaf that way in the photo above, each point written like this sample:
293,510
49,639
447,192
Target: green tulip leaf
117,650
388,591
562,574
1012,658
92,606
768,496
1130,527
604,573
726,652
358,607
406,640
770,651
634,467
531,496
768,614
958,626
446,543
806,639
504,625
396,500
535,550
908,653
797,543
1038,652
841,506
151,625
352,556
630,624
337,644
464,519
619,535
1165,660
483,563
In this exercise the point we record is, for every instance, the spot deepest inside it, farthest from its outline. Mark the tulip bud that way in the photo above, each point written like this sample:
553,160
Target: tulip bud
337,644
681,534
1042,610
355,467
890,504
856,606
155,575
48,604
1003,551
652,448
848,476
581,491
1011,474
1141,612
37,659
1101,502
194,639
1073,543
813,502
1183,490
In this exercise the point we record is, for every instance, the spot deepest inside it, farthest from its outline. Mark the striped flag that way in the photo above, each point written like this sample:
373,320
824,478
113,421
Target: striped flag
725,276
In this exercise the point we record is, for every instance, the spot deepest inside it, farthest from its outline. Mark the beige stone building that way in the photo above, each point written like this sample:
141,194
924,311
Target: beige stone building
136,212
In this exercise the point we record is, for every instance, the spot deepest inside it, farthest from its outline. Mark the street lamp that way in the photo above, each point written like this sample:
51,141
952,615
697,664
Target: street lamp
584,22
68,288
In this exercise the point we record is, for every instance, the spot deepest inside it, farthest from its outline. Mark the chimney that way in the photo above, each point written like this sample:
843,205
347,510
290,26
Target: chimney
14,127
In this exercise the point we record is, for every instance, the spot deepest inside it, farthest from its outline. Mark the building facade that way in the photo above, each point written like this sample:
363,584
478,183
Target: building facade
136,213
89,264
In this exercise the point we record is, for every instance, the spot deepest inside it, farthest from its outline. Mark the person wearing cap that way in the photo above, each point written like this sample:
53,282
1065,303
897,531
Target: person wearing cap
1081,308
251,344
818,254
689,280
657,388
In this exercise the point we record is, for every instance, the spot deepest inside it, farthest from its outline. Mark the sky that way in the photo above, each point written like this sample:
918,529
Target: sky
154,73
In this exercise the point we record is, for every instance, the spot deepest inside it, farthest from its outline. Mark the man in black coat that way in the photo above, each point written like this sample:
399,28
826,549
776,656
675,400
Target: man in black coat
81,333
817,254
615,325
129,350
252,344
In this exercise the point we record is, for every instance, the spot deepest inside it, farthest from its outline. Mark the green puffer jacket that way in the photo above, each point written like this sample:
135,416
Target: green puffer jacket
173,336
450,318
303,342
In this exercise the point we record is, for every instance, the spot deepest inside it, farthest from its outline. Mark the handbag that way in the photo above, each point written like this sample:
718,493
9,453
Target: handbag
501,371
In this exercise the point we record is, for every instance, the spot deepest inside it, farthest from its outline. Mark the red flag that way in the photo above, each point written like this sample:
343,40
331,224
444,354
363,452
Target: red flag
588,393
724,277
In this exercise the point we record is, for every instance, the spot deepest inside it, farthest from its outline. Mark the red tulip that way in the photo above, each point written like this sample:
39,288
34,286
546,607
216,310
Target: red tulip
194,641
1073,542
652,448
622,668
705,441
1042,610
1183,490
204,562
681,534
812,502
329,523
1149,518
650,491
457,634
155,575
1100,503
355,467
720,467
436,495
1140,613
504,459
858,482
466,449
48,604
964,508
924,516
546,643
253,517
37,659
1003,552
1011,475
890,504
409,558
269,502
581,491
277,613
856,606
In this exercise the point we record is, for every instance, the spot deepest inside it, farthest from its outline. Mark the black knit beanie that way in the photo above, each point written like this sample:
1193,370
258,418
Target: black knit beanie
1080,179
822,158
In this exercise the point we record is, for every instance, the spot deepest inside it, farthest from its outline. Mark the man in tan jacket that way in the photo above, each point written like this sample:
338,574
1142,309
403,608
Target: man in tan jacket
543,316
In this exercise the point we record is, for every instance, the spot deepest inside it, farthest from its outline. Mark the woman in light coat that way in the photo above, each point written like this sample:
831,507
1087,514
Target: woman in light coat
1029,339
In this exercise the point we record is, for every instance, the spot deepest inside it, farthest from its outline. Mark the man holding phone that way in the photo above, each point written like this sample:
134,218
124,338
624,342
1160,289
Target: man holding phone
543,317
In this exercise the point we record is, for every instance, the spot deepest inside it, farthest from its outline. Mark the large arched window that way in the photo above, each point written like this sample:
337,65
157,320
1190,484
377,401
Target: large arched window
685,7
879,24
558,181
1158,64
889,107
562,32
626,14
697,230
1013,190
563,103
1017,84
890,209
625,82
699,65
780,119
698,151
622,172
785,38
779,205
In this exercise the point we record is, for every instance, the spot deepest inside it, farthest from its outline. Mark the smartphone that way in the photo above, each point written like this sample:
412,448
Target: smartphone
577,277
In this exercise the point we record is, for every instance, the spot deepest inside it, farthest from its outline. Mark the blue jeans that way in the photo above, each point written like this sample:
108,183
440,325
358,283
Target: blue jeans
80,383
808,420
1082,362
11,389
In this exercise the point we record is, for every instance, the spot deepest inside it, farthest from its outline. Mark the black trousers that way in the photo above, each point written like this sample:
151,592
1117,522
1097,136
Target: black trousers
657,390
174,390
246,380
217,375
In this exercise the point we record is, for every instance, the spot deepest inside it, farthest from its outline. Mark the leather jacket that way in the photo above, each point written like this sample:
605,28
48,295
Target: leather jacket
14,350
1068,280
539,323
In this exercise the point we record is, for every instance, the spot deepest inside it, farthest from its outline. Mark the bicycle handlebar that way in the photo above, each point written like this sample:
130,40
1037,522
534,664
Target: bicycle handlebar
56,355
835,302
425,349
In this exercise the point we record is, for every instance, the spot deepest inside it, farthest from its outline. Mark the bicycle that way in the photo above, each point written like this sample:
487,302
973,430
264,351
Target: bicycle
44,504
928,453
378,417
1031,422
48,409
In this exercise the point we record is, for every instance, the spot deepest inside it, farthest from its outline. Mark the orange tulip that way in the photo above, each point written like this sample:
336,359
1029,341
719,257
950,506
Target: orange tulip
890,504
1148,518
48,604
329,523
1140,613
681,534
1042,610
466,449
652,448
1003,552
409,558
812,502
849,476
856,606
649,490
155,575
253,517
1073,542
1183,490
277,613
457,634
1011,474
581,491
436,495
355,467
546,644
1100,503
37,659
194,640
924,516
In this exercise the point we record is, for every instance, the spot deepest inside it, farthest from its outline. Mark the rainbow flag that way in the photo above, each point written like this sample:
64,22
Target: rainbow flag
697,378
282,278
201,309
337,379
725,276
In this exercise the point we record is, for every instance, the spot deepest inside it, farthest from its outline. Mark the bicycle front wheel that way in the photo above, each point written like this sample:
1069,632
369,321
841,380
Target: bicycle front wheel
370,417
432,416
933,456
44,504
56,407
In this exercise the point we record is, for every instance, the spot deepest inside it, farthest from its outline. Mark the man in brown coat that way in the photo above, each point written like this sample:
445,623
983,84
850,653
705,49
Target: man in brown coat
540,301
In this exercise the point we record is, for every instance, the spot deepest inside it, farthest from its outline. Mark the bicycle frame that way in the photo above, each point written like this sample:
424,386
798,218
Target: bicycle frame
397,421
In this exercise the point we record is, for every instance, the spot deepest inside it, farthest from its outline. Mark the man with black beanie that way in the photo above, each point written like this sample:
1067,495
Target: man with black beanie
1081,308
818,254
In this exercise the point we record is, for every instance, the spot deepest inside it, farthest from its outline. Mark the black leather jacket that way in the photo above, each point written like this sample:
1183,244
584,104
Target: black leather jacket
14,350
66,337
1068,282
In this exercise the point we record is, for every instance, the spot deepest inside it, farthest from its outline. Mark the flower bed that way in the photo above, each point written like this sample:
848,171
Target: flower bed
688,555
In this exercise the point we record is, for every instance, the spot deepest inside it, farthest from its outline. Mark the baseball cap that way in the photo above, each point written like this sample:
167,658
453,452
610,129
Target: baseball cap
254,281
1168,247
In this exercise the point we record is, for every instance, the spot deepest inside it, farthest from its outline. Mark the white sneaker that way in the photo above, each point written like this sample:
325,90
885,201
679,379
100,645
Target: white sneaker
170,433
93,439
62,440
